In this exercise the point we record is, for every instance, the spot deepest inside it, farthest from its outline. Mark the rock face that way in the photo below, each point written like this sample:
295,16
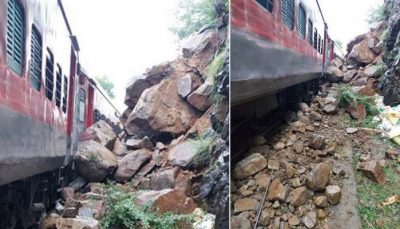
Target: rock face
94,162
249,166
130,164
160,110
318,179
100,132
373,170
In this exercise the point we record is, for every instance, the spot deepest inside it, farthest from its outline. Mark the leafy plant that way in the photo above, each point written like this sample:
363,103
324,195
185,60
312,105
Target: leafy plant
107,85
204,147
376,14
348,97
122,212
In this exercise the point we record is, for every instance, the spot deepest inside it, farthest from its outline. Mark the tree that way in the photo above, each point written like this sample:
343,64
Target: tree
107,85
376,14
192,15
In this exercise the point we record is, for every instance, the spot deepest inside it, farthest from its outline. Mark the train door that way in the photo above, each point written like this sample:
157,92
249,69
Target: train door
81,110
90,113
70,112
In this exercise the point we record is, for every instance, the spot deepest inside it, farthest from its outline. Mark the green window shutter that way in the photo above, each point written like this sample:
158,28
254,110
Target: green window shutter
267,4
310,32
58,86
65,98
301,24
15,36
288,13
49,75
36,60
316,39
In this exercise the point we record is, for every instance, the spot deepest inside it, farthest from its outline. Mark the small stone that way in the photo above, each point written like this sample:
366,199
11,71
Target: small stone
321,214
298,146
351,130
290,171
299,196
330,109
239,222
258,141
372,170
266,216
273,165
276,204
315,116
296,182
277,191
245,204
249,166
294,221
305,120
263,180
279,146
321,201
304,107
392,154
317,141
319,177
333,194
310,219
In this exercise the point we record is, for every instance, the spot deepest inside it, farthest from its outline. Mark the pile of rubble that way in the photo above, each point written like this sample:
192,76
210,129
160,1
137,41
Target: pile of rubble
173,151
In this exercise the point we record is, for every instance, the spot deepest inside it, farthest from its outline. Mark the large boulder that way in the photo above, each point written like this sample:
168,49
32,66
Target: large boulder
198,43
334,74
131,163
134,92
160,110
355,41
94,162
183,154
100,132
200,98
361,54
188,83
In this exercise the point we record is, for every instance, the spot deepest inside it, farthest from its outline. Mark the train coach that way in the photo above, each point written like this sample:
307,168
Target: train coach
46,101
280,48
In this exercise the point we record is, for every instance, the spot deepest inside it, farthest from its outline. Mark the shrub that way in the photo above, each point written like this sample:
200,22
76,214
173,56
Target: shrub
347,97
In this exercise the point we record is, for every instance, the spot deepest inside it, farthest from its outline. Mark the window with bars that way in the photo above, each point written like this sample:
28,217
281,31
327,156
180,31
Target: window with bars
65,98
81,108
267,4
316,39
49,75
288,13
58,85
319,43
310,32
301,23
15,36
36,59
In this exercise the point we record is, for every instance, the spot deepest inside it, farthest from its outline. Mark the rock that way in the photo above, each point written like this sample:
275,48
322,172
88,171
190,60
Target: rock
357,112
334,74
392,154
92,209
183,154
294,221
197,43
305,120
315,116
55,221
187,84
321,214
277,191
337,62
94,161
318,179
67,193
164,179
279,146
155,74
329,109
349,75
160,110
372,170
249,166
355,41
258,141
266,216
134,92
160,146
333,194
298,146
361,54
263,180
207,221
317,142
239,222
290,171
310,219
304,107
131,163
299,196
298,126
125,115
321,201
119,148
351,130
167,200
200,98
245,204
273,165
134,144
372,71
100,132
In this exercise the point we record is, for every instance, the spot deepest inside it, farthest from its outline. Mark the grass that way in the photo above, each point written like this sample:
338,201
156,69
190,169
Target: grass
371,195
216,64
204,147
122,212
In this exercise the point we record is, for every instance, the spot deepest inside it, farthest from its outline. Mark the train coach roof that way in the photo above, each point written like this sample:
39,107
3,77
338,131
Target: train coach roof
74,39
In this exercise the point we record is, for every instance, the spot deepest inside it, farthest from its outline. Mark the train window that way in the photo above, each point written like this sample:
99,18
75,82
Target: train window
319,43
36,59
65,98
288,13
316,39
301,24
49,75
81,108
58,86
310,32
267,4
15,36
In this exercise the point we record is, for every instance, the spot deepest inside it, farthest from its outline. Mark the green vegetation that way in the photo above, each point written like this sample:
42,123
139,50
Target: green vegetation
376,14
371,195
192,15
204,147
122,212
107,85
347,97
216,64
